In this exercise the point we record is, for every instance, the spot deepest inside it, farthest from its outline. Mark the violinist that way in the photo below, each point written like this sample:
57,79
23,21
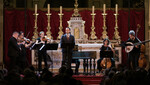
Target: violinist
23,44
13,50
42,53
105,47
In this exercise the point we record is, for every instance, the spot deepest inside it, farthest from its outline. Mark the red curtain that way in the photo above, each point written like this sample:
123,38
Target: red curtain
15,21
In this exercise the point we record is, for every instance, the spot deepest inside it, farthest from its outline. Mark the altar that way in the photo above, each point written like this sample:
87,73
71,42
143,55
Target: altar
56,55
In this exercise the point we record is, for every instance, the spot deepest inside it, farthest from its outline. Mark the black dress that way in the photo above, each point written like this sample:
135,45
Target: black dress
103,48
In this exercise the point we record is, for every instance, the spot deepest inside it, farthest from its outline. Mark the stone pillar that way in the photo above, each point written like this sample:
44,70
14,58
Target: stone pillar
1,33
147,30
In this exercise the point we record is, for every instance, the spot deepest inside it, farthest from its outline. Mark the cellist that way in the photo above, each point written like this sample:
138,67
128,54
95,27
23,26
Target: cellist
105,47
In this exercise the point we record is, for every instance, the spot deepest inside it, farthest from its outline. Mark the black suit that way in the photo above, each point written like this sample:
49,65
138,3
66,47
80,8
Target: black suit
22,60
13,52
67,45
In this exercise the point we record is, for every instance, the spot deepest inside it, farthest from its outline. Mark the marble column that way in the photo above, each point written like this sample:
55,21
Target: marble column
147,30
1,33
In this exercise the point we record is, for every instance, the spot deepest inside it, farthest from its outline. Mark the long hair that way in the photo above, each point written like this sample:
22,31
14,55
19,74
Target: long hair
107,40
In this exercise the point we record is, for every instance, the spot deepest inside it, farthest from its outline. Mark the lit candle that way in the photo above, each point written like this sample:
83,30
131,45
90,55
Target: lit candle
48,8
35,8
104,8
93,9
60,9
116,8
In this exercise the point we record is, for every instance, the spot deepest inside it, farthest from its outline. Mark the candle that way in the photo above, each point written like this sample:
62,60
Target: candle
48,8
35,8
60,9
92,9
116,8
104,8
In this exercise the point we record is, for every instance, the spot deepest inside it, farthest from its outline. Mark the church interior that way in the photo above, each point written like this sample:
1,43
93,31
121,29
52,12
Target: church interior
92,23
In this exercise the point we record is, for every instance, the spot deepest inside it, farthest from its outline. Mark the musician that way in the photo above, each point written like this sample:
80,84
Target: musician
67,44
105,47
133,56
42,53
23,44
13,50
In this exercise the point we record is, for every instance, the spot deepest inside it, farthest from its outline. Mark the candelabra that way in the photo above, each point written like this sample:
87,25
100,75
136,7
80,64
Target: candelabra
60,27
35,33
116,33
104,33
93,36
48,33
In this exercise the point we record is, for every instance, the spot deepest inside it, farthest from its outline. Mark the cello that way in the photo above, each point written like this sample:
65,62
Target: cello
142,59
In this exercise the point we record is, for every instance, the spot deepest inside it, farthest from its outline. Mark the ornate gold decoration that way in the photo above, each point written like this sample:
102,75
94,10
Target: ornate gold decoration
35,33
104,33
76,33
116,33
48,23
76,11
93,36
60,26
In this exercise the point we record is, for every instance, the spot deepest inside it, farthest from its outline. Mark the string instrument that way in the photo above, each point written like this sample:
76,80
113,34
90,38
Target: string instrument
46,39
129,45
142,60
106,62
26,40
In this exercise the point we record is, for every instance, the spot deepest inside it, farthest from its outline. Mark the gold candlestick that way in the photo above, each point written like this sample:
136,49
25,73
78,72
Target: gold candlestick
116,33
48,33
104,33
93,36
35,33
60,26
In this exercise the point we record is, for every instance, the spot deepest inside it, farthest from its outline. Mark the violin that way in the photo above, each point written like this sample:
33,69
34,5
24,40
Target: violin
26,40
46,39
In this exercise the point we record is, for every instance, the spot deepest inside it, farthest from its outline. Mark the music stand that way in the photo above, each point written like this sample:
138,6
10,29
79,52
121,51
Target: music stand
67,46
36,47
106,54
51,46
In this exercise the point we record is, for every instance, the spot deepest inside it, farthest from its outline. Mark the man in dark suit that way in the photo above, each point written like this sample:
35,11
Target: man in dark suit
13,50
67,44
